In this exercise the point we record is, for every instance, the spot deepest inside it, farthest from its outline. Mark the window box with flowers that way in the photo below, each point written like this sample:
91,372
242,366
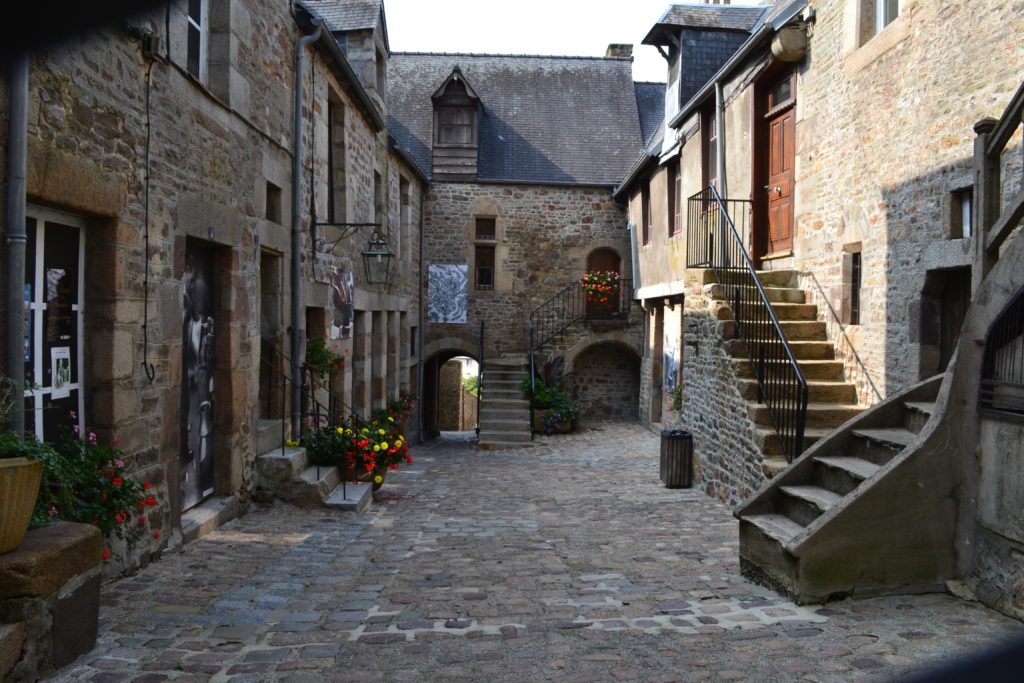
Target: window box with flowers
601,288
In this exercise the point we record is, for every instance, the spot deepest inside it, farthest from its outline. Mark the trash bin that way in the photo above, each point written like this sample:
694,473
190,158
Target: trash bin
676,458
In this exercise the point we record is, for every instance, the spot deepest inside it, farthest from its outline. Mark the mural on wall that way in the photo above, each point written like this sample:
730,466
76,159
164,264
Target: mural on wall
670,350
197,367
447,300
343,312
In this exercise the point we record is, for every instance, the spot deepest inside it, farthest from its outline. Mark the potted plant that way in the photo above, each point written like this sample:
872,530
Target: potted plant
21,473
554,411
601,288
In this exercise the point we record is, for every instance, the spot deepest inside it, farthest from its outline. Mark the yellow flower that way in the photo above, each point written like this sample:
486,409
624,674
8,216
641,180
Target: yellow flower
384,446
391,419
378,479
289,442
381,432
348,432
341,430
376,448
364,430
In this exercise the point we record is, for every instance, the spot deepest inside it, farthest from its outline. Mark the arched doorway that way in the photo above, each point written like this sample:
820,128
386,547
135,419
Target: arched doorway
443,399
604,260
607,382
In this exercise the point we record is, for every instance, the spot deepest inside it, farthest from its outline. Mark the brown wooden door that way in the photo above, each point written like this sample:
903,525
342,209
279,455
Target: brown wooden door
780,182
603,261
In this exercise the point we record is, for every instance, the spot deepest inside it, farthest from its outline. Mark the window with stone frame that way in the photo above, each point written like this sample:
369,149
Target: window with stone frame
709,144
404,220
874,16
961,223
198,38
485,253
675,198
337,178
853,278
645,212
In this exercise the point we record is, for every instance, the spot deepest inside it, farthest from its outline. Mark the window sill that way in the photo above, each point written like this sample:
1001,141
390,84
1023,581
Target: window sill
877,45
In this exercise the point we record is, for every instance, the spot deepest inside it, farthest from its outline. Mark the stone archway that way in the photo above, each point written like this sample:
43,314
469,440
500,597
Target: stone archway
607,381
436,391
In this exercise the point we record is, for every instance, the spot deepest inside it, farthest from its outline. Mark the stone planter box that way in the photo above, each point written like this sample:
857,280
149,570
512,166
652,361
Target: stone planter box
538,424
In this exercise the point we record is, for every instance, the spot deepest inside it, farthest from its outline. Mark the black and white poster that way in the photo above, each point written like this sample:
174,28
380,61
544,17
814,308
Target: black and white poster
197,374
447,300
60,372
671,351
343,311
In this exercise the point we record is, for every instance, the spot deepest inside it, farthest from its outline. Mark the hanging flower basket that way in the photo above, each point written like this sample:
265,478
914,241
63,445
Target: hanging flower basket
601,288
19,487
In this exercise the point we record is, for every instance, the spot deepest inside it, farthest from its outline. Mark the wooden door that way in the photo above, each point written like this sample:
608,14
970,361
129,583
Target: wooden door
780,121
603,261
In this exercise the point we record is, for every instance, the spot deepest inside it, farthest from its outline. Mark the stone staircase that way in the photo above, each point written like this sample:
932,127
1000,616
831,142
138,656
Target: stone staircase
799,534
831,399
504,413
285,473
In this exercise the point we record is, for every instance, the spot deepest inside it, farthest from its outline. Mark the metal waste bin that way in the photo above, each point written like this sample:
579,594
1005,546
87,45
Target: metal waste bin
676,458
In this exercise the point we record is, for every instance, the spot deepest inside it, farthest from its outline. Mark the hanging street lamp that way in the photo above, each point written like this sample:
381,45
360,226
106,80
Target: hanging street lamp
377,259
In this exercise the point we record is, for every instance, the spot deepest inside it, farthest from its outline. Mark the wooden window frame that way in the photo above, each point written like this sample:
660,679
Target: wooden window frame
441,126
197,16
645,212
478,251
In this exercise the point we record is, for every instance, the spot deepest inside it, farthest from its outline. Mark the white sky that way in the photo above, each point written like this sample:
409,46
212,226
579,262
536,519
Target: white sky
536,27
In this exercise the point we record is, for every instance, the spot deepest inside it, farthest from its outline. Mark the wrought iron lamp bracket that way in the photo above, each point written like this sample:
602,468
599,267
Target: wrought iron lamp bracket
326,246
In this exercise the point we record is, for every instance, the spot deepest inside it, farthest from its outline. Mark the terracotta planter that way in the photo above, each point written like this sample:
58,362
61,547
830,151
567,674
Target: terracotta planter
19,488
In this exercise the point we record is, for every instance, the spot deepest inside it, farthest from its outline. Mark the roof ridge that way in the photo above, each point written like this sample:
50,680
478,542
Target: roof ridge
495,54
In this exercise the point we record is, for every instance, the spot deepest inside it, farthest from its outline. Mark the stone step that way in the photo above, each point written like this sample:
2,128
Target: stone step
776,527
818,391
506,425
791,311
811,369
499,414
495,444
894,437
819,415
314,486
840,473
789,295
802,350
493,402
270,435
768,441
492,435
279,467
804,504
506,363
777,278
795,330
917,414
352,496
12,639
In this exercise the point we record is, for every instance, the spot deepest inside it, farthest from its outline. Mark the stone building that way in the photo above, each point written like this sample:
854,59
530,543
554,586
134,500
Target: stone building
523,153
845,159
201,180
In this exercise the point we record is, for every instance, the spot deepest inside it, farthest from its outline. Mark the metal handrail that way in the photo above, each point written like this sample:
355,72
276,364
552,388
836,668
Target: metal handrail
842,331
561,311
713,242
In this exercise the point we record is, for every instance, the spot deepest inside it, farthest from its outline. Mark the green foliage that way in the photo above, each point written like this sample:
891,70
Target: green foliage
547,394
84,481
675,396
471,384
321,360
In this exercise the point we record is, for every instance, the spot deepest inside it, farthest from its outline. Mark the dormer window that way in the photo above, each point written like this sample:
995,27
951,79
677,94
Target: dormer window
456,129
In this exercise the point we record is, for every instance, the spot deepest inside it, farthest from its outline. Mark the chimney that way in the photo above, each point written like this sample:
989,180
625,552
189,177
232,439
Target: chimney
620,51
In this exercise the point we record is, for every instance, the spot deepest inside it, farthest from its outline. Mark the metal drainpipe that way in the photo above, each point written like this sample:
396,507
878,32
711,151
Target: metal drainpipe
17,155
419,333
297,332
723,186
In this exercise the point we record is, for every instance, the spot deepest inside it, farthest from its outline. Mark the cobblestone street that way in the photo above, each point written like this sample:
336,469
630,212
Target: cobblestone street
568,561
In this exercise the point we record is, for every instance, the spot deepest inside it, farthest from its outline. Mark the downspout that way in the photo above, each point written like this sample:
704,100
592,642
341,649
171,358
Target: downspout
17,156
297,332
421,371
723,185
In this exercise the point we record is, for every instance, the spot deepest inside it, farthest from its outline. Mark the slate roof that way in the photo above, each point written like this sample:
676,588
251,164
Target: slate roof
711,17
650,101
568,120
347,15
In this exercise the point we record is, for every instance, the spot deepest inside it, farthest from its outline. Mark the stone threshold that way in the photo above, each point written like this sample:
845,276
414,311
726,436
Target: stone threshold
207,517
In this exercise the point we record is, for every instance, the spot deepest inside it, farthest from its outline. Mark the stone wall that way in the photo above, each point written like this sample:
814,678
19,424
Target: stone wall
606,385
544,234
220,176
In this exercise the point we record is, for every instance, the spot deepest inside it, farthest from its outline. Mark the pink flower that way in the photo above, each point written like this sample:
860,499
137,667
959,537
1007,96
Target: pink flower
52,511
92,437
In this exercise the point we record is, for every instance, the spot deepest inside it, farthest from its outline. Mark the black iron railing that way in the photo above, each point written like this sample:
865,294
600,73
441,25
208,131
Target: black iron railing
713,241
567,307
1002,370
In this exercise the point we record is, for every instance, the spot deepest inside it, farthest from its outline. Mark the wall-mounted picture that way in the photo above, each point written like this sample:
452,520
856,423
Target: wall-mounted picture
343,311
60,371
447,300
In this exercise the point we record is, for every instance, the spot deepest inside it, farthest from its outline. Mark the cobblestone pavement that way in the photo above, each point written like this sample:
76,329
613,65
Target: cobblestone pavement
563,562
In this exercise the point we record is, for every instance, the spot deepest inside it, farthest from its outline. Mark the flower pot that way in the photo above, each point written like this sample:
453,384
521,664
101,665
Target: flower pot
559,428
19,488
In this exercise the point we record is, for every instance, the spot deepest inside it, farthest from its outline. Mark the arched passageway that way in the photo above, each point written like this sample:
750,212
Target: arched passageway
607,382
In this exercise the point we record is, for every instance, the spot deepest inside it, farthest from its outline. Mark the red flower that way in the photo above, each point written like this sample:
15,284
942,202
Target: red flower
106,553
117,481
156,533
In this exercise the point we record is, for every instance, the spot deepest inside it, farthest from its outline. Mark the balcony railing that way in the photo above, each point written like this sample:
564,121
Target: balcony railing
713,241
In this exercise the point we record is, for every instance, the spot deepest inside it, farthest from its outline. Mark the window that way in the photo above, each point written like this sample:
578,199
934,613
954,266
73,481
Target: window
404,252
337,207
852,279
675,199
485,228
382,70
197,38
645,212
378,199
709,138
885,12
455,125
960,207
484,267
273,204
